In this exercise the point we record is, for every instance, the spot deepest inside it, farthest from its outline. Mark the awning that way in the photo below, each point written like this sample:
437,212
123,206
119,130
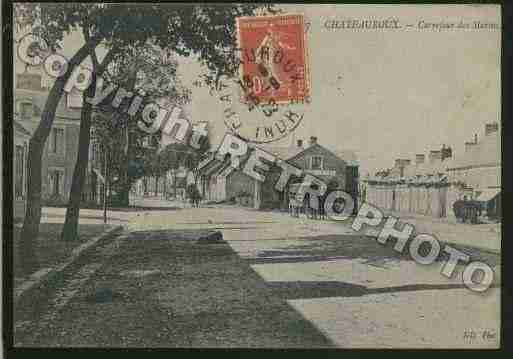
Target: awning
488,194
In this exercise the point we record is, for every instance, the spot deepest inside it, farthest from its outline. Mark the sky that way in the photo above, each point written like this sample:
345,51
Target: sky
385,93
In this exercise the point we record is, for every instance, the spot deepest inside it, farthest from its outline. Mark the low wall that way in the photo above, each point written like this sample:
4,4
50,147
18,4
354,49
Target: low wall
431,201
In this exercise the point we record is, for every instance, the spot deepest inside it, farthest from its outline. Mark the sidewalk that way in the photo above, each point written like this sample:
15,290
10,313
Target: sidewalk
52,252
87,216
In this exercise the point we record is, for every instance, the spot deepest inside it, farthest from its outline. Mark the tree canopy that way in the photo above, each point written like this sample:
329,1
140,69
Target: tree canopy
204,30
207,31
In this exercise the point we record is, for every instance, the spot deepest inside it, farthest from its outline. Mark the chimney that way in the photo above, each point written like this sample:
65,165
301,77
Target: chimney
300,143
435,156
446,152
469,146
420,158
402,162
491,128
313,140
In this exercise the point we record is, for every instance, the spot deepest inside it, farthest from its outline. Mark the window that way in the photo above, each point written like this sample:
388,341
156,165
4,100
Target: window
19,172
57,141
316,163
95,153
56,182
26,110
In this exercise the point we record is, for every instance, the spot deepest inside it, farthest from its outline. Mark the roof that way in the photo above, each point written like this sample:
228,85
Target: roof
487,194
428,168
284,153
19,128
287,153
211,165
487,152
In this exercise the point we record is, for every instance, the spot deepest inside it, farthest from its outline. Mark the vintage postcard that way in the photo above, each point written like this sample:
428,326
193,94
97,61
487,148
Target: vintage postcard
253,175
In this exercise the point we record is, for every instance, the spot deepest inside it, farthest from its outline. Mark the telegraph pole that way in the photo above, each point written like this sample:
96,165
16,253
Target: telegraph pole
105,185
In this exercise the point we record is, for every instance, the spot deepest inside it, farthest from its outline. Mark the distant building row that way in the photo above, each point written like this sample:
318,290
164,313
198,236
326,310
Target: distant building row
431,187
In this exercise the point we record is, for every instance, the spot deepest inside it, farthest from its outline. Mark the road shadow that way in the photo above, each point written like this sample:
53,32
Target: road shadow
135,208
199,295
334,247
323,289
100,218
228,222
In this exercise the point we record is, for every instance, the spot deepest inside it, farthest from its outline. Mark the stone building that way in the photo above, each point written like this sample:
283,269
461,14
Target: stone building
478,170
60,150
219,182
431,188
20,143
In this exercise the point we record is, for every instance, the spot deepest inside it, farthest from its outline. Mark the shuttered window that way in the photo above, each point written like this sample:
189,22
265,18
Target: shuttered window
19,172
57,141
316,163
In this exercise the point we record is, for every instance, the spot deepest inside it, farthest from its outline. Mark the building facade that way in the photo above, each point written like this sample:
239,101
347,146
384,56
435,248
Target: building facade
220,182
432,187
20,150
172,184
478,171
60,151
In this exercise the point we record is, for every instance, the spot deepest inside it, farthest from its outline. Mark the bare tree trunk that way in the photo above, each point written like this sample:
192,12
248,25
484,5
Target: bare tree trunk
174,181
70,229
165,185
124,195
30,230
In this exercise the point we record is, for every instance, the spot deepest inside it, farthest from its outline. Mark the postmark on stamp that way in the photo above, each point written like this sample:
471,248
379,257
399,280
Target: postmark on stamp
274,58
268,97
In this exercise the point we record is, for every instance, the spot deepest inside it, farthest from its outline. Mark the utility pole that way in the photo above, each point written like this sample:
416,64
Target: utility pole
105,185
165,184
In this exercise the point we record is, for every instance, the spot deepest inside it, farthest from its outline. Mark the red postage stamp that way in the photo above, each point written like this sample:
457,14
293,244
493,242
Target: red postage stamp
274,59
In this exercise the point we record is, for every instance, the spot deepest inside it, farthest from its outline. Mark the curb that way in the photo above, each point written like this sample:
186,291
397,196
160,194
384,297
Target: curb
41,275
478,247
472,246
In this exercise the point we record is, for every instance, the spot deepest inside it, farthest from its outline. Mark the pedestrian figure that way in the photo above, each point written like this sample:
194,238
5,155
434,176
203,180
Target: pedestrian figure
475,211
194,195
459,210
